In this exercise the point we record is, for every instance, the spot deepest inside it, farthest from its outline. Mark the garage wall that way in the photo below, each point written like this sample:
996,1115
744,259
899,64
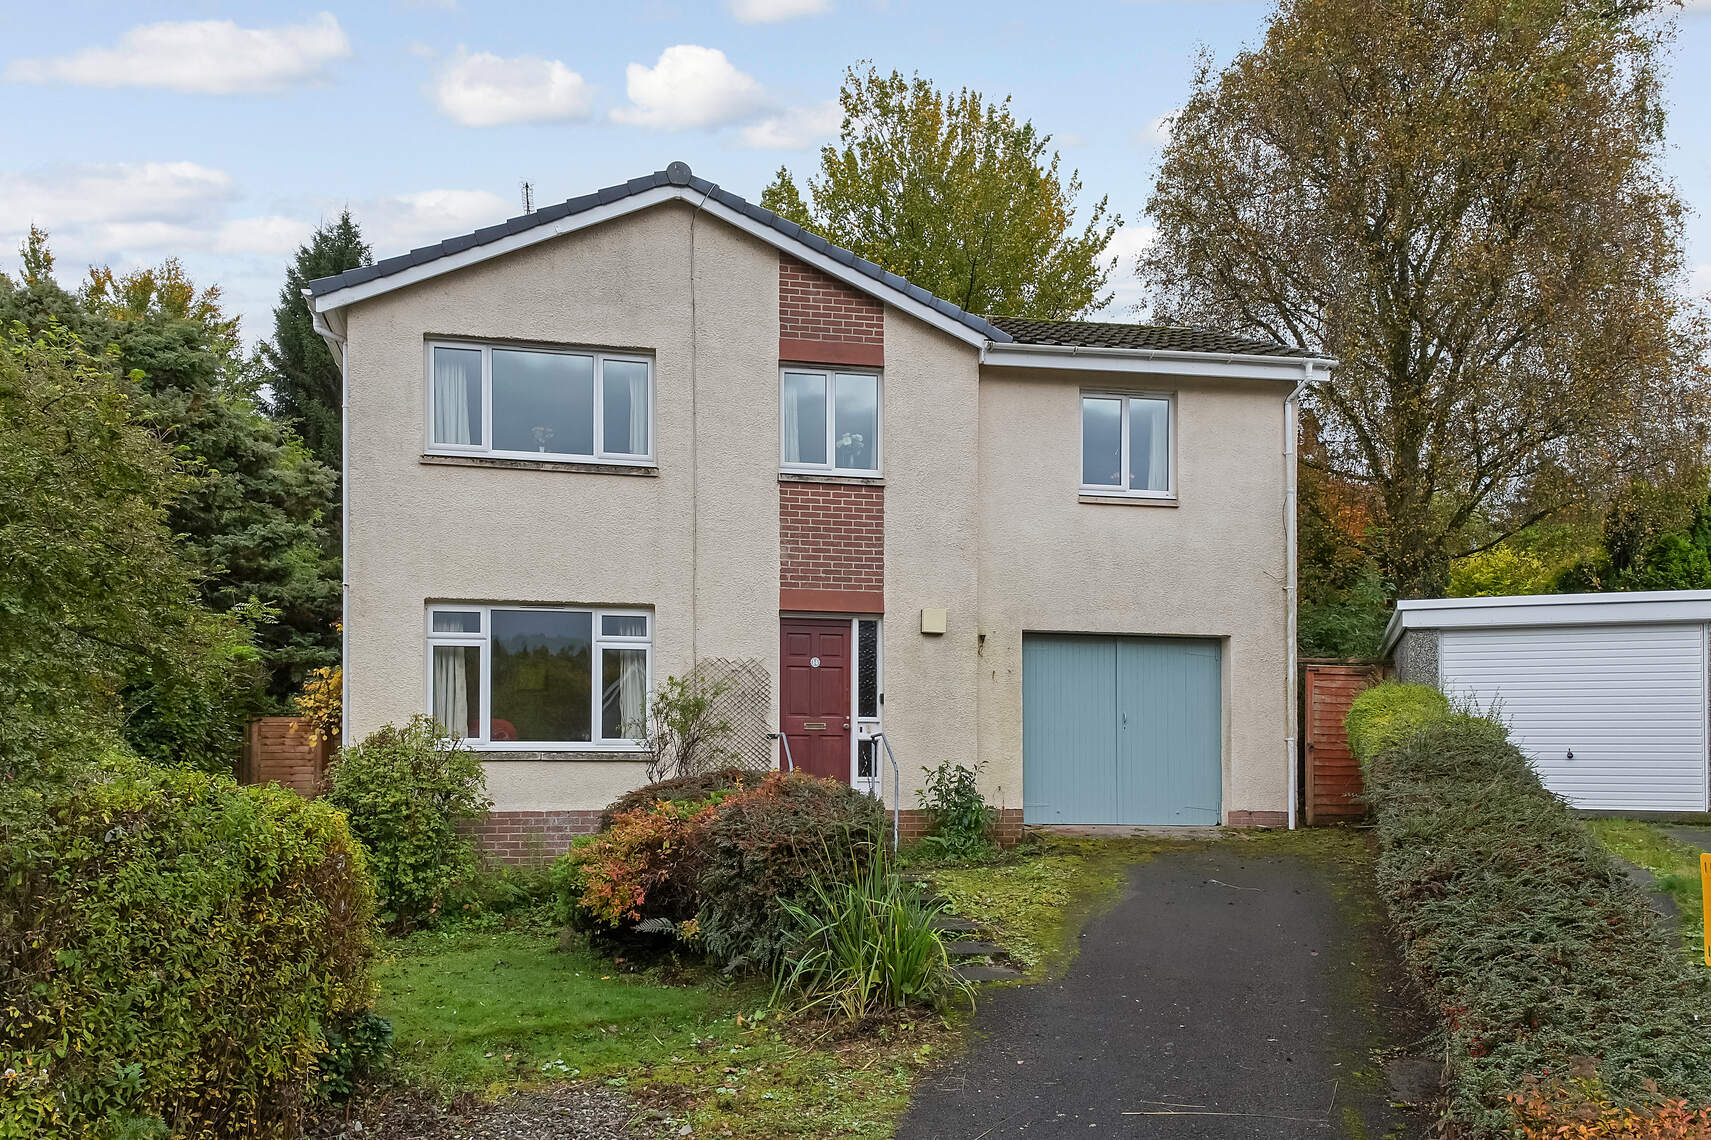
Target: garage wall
1213,566
1629,702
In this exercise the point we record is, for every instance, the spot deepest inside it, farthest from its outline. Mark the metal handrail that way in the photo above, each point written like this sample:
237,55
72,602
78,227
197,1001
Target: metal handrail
896,787
789,764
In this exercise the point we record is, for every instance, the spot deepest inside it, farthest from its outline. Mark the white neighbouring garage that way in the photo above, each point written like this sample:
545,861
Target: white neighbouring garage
1607,694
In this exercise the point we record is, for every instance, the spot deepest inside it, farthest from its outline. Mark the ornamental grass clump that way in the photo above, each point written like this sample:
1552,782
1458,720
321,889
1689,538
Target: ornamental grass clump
1526,937
865,944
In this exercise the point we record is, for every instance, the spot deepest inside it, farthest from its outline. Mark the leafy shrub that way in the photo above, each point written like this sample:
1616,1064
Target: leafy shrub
1388,713
696,787
1524,934
1344,623
864,944
358,1045
405,791
710,857
1499,571
959,821
685,731
645,866
1580,1108
170,947
321,701
771,844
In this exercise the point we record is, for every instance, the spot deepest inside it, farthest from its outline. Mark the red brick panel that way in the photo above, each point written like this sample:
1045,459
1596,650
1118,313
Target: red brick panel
912,825
831,541
531,837
823,321
1257,819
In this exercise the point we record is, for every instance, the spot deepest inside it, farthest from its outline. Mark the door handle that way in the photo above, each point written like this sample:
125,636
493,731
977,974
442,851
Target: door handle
846,724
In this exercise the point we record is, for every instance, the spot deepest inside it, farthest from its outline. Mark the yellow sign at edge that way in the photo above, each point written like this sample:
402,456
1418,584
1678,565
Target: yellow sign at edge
1705,895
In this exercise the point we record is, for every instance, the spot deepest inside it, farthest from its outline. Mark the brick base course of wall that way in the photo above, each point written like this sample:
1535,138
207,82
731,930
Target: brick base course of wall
531,837
1257,819
534,837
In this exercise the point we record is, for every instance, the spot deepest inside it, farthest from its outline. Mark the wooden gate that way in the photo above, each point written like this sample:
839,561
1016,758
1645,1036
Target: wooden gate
284,750
1333,783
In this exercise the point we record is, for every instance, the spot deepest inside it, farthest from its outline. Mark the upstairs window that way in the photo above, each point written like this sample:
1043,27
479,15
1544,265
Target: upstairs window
830,421
540,678
529,403
1126,445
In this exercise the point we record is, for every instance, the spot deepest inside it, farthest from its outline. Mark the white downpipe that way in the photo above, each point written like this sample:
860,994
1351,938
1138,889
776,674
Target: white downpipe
1291,416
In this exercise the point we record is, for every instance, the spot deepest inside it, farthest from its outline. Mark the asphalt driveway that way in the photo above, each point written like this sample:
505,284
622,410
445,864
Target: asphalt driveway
1238,989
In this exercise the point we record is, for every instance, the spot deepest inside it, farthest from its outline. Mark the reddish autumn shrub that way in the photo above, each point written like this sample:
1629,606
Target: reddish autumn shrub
772,842
714,866
644,866
1581,1109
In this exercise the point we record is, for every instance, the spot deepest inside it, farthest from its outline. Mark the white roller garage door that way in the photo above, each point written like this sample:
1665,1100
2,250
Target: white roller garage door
1613,717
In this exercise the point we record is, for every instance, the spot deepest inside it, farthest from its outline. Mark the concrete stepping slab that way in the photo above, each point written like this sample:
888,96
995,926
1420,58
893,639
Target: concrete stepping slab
972,948
975,975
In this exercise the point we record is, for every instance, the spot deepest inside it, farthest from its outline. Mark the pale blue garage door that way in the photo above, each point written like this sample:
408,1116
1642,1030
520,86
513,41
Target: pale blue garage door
1121,730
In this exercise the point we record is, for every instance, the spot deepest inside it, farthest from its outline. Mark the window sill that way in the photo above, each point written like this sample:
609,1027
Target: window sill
1126,500
830,477
556,755
576,465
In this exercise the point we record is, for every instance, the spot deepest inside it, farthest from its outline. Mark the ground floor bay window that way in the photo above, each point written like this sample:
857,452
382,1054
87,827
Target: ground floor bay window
540,678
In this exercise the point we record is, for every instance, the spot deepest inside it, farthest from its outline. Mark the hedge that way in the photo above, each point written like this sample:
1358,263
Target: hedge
1523,933
172,950
1389,713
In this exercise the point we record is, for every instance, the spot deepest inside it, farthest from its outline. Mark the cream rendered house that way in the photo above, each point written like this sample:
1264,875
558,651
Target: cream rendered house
657,425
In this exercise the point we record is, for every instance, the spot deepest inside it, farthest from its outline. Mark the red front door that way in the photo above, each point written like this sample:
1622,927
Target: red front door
814,696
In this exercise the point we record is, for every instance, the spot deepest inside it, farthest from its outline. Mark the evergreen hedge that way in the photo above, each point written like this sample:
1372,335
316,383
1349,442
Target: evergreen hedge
1540,958
173,951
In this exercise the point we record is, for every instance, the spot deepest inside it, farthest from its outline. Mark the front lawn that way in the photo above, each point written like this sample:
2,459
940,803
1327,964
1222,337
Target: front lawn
493,1012
485,1012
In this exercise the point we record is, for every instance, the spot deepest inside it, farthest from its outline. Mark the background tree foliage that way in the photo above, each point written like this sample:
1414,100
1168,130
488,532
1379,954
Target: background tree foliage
957,195
1462,200
100,626
306,383
253,510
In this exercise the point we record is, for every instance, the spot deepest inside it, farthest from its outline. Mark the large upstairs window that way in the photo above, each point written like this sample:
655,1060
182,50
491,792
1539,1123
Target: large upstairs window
536,403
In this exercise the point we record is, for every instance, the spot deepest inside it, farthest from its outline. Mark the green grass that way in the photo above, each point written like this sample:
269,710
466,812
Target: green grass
490,1012
1673,863
1035,902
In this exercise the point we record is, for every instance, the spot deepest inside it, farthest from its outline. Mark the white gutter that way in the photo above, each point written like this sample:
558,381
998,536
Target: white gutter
1224,365
339,346
1291,419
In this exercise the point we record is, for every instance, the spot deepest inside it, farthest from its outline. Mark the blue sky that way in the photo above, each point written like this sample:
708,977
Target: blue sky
223,133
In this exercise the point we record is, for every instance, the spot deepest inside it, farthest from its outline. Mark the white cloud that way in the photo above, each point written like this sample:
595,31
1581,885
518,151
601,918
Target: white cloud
401,222
266,235
207,57
1157,132
690,86
485,90
772,11
795,128
99,210
1699,282
1127,296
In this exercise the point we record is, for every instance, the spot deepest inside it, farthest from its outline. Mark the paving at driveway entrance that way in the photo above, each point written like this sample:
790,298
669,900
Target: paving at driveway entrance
1238,989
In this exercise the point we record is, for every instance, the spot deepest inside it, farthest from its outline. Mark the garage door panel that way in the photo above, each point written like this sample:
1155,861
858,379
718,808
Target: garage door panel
1168,731
1069,687
1121,730
1628,701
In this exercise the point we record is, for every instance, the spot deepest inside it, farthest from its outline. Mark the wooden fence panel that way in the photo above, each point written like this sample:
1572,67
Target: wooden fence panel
1333,783
283,750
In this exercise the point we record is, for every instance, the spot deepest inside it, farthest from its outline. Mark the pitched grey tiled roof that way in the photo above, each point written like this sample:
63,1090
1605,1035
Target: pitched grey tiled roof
1170,338
677,174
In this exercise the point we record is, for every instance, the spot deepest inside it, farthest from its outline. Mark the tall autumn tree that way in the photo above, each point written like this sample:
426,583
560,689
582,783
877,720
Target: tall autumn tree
959,196
307,387
1463,201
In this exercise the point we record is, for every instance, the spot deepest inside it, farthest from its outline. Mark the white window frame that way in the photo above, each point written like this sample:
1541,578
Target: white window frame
598,455
483,640
1123,396
863,725
830,467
